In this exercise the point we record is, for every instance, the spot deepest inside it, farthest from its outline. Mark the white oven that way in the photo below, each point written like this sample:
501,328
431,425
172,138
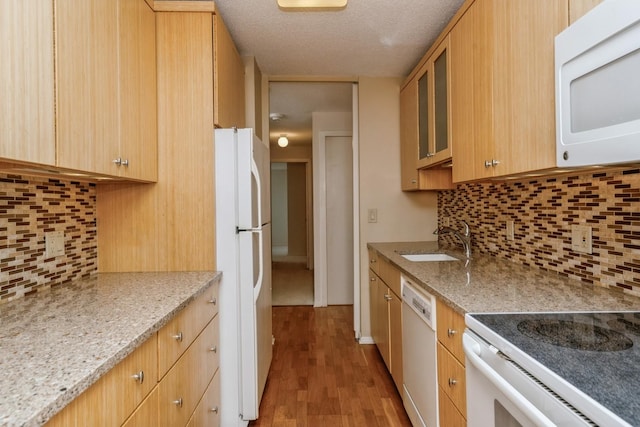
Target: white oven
507,387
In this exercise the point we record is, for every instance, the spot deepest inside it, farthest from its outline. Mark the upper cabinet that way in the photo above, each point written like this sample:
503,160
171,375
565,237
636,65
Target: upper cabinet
434,135
106,88
27,128
228,79
503,117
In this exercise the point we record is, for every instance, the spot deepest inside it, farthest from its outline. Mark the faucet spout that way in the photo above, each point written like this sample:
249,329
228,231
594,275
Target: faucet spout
464,237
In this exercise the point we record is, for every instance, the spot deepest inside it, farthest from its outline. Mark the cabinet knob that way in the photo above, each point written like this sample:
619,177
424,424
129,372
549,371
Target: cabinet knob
388,297
178,337
373,261
118,161
487,163
452,382
213,301
491,163
139,377
214,410
214,349
178,402
451,332
373,279
414,181
125,162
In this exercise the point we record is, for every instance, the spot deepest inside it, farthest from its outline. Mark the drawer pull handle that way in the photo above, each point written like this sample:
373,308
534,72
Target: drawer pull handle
373,279
178,337
213,301
452,382
214,349
451,332
388,297
178,402
139,377
214,410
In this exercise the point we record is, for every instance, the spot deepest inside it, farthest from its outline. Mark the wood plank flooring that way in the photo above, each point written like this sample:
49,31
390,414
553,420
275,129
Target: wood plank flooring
320,376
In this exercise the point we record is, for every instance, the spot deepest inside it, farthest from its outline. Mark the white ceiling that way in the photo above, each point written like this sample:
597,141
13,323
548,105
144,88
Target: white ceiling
376,38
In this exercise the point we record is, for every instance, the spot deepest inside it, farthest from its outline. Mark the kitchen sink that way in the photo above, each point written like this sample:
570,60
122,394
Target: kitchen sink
429,257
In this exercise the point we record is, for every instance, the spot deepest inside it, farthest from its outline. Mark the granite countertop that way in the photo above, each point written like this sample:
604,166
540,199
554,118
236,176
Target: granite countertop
489,284
58,342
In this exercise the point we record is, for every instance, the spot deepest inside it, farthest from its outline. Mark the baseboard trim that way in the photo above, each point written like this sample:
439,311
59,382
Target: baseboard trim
366,340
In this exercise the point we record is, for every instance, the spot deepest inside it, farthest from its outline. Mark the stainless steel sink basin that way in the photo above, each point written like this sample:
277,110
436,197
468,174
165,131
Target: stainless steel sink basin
429,257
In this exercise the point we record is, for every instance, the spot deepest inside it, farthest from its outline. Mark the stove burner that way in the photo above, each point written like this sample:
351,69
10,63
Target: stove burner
576,335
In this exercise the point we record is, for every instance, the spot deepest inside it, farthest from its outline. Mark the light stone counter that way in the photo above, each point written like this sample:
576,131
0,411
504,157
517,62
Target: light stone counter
56,343
490,284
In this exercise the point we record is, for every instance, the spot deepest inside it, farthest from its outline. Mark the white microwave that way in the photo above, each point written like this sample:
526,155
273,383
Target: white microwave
597,74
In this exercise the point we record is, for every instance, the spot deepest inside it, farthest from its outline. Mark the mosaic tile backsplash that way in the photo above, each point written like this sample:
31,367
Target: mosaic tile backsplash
544,210
31,207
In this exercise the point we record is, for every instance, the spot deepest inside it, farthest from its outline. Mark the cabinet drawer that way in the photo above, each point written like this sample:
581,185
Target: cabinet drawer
389,275
207,413
183,386
450,326
147,413
449,414
176,336
116,395
373,261
451,378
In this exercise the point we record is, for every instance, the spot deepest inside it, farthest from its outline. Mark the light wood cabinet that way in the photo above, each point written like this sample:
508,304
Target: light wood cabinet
409,136
449,414
577,8
451,369
106,90
207,413
177,335
137,393
385,305
434,134
115,396
503,114
228,79
184,385
27,128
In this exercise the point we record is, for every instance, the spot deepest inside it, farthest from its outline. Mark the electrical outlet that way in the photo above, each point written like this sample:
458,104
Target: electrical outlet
581,239
372,214
446,221
53,244
510,232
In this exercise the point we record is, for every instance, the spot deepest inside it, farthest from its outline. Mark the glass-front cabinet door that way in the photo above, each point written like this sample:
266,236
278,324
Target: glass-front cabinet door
434,91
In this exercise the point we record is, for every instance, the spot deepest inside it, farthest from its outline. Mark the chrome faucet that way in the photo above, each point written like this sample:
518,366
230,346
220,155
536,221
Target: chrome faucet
464,237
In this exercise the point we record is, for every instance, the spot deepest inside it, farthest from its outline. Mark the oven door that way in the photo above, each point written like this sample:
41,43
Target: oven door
500,394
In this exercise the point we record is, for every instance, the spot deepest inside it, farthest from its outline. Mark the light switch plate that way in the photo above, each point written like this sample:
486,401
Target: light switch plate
582,239
372,214
446,221
54,244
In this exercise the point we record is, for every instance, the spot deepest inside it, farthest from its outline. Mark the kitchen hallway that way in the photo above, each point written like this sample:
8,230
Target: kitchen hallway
320,376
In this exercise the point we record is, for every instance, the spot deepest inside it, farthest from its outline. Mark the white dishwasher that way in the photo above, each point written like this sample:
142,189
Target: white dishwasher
420,388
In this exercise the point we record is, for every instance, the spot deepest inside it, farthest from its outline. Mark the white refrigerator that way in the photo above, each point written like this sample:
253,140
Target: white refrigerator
243,251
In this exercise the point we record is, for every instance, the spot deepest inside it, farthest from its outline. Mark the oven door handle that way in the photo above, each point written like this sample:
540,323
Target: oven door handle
472,350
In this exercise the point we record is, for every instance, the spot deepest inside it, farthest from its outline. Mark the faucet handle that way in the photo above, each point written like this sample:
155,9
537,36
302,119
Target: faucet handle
467,230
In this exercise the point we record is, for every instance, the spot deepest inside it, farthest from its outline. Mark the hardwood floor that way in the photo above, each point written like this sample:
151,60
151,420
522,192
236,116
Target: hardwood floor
320,376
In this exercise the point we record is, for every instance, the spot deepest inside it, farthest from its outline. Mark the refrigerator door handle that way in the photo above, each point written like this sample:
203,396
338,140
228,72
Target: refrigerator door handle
260,280
256,174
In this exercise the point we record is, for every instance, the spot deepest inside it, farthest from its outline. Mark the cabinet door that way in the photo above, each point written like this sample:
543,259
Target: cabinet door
207,413
138,91
147,413
395,339
409,136
441,140
424,115
524,85
27,127
228,79
87,85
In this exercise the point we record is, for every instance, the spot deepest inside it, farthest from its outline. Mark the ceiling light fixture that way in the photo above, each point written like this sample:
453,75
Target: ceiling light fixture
283,141
276,117
319,5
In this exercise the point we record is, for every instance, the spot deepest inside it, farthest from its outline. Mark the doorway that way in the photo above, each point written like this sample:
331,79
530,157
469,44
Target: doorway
290,206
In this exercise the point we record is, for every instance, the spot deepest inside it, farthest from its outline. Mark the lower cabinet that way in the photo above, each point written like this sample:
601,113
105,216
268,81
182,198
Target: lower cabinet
135,394
451,371
386,317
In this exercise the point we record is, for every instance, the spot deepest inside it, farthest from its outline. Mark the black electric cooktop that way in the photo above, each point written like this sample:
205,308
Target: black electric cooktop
596,352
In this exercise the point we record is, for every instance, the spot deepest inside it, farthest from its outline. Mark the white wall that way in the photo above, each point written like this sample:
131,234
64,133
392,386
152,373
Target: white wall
402,216
279,219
